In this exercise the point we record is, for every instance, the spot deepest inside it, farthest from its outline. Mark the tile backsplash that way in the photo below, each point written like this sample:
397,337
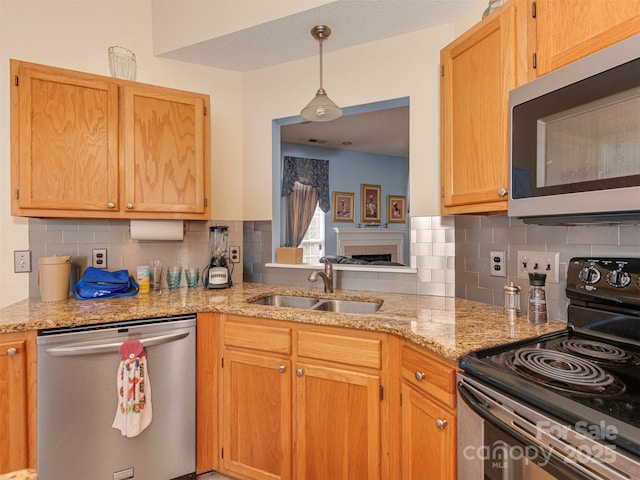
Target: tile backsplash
450,254
477,236
48,237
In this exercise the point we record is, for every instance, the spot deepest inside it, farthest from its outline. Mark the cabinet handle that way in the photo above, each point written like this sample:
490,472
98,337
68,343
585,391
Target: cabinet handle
419,376
441,423
129,206
12,351
282,368
502,192
299,372
111,205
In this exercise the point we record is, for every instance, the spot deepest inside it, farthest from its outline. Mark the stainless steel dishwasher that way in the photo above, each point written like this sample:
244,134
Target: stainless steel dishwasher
78,398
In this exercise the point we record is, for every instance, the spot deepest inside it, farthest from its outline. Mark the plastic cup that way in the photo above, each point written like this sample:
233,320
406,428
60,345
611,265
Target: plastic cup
155,274
174,275
192,275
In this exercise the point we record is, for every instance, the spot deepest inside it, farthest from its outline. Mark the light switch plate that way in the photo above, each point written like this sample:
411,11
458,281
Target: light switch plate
21,261
539,262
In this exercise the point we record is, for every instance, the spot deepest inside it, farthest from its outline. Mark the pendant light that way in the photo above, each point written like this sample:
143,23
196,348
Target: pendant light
321,108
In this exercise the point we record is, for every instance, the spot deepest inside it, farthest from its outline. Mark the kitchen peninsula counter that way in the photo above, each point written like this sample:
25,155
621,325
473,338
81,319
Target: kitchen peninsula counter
447,326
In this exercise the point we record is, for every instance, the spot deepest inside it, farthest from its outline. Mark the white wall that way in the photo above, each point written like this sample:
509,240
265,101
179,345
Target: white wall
76,35
406,65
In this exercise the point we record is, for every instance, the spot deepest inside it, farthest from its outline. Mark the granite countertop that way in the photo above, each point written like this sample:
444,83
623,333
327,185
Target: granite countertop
448,326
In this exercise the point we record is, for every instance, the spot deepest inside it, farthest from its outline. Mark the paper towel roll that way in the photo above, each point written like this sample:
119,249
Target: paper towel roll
157,229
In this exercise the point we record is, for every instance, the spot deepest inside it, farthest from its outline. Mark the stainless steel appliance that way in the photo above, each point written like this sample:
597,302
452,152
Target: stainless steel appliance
564,405
575,141
77,401
218,273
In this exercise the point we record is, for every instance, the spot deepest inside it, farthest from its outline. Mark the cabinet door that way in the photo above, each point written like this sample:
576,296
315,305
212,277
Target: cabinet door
337,423
164,151
13,401
64,141
257,416
478,70
595,24
428,438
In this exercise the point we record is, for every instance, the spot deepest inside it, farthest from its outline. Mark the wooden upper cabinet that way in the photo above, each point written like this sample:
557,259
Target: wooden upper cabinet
89,146
164,149
64,141
478,70
594,25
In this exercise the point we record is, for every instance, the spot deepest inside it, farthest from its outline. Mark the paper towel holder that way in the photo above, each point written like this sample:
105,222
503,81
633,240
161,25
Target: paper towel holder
157,230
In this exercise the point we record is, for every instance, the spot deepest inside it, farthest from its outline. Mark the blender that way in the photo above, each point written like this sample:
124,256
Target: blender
218,273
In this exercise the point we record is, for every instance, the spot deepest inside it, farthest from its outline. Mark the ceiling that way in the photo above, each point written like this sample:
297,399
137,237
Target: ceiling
385,132
352,22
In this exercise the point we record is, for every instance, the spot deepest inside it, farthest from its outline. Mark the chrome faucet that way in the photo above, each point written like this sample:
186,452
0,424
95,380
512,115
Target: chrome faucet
327,276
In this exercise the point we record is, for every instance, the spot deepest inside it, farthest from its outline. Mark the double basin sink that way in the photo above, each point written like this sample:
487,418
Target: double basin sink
320,304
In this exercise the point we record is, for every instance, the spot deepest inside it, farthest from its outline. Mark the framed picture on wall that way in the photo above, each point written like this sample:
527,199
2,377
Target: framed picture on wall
396,209
370,196
342,206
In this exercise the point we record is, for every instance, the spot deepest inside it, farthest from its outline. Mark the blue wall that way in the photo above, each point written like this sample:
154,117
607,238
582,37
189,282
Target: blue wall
347,171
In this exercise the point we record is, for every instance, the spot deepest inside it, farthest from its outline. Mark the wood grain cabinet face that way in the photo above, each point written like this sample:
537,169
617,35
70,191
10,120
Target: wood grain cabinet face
88,146
478,70
13,403
595,24
164,151
292,411
428,416
64,141
257,399
428,437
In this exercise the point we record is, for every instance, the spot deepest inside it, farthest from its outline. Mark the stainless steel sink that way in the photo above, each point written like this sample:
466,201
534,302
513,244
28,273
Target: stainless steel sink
291,301
348,306
319,304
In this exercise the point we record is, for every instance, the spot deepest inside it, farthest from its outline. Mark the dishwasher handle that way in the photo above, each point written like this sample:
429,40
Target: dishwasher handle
71,350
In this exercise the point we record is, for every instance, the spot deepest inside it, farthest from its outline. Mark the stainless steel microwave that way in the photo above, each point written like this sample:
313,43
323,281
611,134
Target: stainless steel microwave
575,141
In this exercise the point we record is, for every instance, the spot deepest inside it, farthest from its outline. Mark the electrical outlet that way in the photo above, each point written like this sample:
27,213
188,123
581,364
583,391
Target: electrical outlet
21,261
234,254
99,258
539,262
498,264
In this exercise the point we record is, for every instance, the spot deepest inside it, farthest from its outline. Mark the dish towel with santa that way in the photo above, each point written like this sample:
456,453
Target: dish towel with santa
134,411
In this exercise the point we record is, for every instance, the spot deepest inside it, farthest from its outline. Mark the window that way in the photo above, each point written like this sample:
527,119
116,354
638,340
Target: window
313,241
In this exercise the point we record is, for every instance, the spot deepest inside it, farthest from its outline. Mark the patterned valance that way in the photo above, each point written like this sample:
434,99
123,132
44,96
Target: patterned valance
307,171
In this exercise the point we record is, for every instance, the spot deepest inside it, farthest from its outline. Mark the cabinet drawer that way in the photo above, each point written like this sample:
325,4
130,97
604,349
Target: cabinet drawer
361,352
429,375
266,338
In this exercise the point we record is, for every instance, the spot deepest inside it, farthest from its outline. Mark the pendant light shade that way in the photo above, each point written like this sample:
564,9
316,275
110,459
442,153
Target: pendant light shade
321,108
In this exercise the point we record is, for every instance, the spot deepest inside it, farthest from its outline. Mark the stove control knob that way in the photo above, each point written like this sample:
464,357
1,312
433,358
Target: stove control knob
618,278
589,275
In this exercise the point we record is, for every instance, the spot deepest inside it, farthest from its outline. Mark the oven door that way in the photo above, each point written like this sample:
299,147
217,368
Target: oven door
501,439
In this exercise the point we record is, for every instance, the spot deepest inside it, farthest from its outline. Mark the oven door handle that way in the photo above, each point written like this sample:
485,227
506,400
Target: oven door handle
521,429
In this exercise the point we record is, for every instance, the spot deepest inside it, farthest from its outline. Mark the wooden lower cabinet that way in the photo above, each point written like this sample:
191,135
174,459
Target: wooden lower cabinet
257,420
428,437
310,402
300,401
17,401
337,423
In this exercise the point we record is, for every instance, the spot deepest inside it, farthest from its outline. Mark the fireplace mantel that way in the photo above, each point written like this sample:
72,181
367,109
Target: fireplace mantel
371,237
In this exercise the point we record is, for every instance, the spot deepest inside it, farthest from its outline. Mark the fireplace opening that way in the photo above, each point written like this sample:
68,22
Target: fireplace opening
378,257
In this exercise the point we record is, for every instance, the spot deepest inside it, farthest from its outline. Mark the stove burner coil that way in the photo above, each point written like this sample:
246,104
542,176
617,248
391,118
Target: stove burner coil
602,352
564,371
